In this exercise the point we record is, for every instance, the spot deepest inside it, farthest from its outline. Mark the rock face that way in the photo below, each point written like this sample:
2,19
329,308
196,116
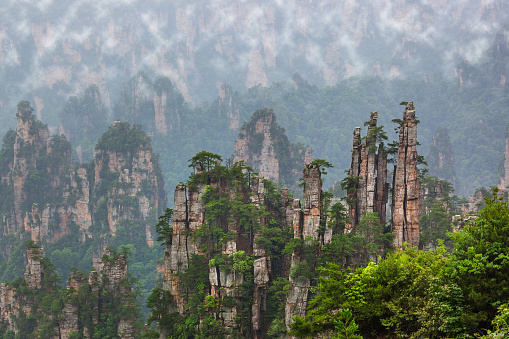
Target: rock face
225,216
228,105
368,175
42,192
128,179
263,145
306,221
190,219
112,279
405,194
45,196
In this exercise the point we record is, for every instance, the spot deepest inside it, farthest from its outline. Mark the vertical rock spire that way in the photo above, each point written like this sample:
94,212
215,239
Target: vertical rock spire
354,173
368,171
504,180
405,195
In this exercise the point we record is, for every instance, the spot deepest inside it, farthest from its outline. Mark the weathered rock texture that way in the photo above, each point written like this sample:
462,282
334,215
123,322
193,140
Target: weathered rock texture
112,279
44,195
250,211
189,217
263,145
368,176
307,221
405,194
128,179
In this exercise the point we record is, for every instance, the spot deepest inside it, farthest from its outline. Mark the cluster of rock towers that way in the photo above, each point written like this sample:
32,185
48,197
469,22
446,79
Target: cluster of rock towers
368,177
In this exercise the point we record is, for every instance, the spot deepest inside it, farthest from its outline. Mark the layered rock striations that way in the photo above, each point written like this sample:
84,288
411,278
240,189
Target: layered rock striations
309,226
76,310
45,196
232,224
405,192
367,185
263,145
367,189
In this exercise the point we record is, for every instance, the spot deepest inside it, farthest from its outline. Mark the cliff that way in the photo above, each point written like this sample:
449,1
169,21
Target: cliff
86,307
263,145
217,220
249,238
50,200
405,192
127,180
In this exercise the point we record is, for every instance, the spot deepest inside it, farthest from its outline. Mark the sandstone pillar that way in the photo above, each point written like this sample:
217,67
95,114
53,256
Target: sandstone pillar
405,196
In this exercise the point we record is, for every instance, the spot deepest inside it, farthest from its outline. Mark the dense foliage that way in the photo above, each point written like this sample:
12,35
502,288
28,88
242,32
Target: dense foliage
231,215
423,294
98,307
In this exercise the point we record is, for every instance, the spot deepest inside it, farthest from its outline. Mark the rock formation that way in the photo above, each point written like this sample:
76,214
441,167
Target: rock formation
405,192
44,196
84,299
156,106
504,180
228,217
368,191
263,145
220,218
189,219
228,104
307,221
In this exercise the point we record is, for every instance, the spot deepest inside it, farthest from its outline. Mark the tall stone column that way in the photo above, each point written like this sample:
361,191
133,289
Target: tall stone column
405,196
369,169
353,173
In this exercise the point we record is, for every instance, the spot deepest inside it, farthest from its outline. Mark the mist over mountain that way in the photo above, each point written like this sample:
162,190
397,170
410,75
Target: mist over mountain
238,115
52,49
